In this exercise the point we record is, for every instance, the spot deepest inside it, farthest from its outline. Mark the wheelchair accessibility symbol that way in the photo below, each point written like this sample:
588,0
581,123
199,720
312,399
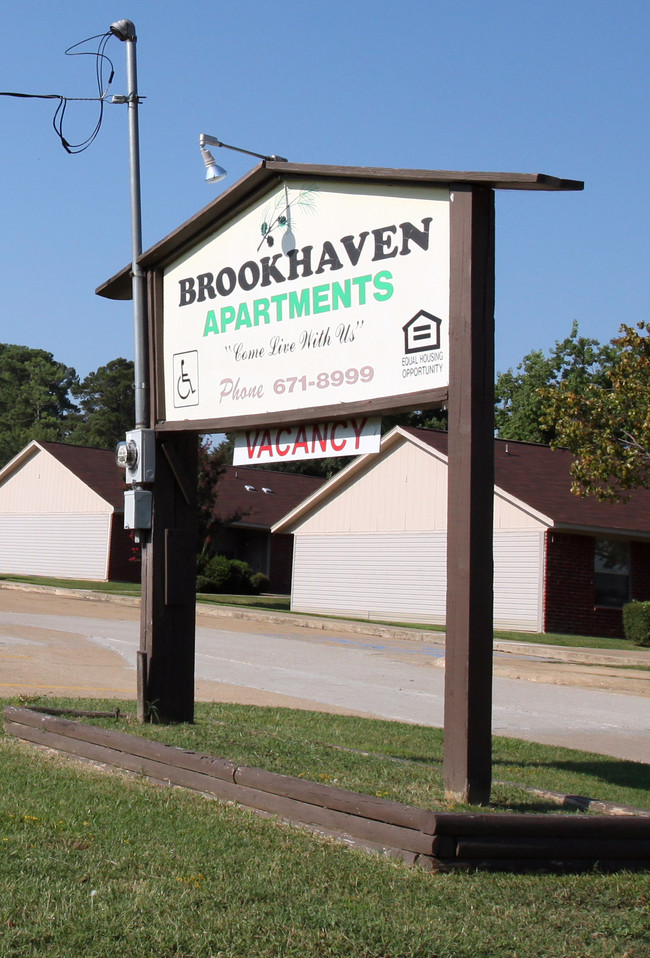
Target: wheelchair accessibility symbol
186,379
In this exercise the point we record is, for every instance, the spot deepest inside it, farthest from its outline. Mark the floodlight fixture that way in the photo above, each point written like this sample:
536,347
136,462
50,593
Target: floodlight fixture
214,171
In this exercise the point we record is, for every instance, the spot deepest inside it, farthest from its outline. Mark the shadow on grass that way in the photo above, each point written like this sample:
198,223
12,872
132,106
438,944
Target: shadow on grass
612,771
588,772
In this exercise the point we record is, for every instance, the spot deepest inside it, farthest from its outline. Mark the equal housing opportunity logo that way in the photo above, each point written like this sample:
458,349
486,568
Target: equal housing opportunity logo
422,332
422,352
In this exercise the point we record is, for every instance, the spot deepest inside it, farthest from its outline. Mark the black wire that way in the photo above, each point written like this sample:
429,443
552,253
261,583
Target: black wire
100,56
35,96
59,113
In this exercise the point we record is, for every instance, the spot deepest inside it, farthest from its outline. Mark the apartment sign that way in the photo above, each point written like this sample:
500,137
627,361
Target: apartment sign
318,295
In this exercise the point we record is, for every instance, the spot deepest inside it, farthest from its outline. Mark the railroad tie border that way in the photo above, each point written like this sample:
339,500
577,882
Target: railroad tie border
435,840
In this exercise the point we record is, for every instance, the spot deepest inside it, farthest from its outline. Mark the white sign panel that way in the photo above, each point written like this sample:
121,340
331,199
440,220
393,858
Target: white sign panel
353,436
316,296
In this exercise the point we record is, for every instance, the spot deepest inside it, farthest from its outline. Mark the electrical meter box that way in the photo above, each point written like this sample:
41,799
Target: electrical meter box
138,508
137,456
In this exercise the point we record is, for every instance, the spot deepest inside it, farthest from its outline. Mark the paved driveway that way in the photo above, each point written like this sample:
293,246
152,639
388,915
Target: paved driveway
56,645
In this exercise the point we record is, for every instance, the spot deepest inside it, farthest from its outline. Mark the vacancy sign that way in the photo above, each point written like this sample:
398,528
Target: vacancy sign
320,295
340,437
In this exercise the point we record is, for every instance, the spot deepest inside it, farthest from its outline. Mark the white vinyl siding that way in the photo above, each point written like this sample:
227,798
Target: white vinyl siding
401,577
391,576
518,580
374,545
62,546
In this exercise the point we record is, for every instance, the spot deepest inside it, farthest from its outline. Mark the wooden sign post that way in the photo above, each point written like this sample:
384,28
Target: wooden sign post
470,492
168,607
304,293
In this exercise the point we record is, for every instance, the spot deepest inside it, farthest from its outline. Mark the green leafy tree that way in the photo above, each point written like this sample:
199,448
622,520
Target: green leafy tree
35,400
106,405
522,397
605,422
518,406
213,460
418,419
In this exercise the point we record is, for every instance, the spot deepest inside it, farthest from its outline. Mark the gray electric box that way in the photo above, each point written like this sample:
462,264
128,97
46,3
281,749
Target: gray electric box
137,456
138,508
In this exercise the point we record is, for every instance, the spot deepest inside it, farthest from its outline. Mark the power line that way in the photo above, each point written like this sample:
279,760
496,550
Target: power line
101,60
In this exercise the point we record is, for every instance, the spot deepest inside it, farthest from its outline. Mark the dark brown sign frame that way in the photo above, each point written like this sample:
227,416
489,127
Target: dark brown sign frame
166,658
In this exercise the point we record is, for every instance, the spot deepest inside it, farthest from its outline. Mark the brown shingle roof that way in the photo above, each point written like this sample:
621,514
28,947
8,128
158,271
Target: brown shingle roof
539,476
257,507
96,467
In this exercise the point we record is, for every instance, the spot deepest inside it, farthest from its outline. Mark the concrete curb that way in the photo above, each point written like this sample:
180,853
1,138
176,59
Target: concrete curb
560,653
86,594
554,653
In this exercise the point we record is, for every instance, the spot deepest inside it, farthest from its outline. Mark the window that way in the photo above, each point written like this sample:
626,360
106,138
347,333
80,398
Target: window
612,573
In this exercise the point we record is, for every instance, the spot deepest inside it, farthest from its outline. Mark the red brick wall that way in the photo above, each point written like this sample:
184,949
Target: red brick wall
124,564
569,586
640,569
281,562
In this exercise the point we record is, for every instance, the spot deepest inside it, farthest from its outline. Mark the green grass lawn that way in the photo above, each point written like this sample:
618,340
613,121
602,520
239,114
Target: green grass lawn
102,865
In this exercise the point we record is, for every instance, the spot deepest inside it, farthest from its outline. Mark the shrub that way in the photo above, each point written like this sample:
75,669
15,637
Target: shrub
204,584
239,580
231,576
636,622
260,582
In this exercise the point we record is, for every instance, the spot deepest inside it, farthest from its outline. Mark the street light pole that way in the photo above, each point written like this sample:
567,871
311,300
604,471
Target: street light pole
138,452
125,30
161,506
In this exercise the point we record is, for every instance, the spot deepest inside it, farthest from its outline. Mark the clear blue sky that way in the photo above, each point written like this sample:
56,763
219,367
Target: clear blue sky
559,88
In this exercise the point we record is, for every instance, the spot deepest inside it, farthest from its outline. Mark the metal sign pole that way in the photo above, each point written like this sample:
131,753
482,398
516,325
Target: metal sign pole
165,662
125,31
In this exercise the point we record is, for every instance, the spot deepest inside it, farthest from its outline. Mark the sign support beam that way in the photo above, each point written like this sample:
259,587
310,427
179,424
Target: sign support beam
168,607
468,650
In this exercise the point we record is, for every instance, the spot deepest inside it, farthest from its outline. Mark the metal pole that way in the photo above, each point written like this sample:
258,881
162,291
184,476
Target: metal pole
125,30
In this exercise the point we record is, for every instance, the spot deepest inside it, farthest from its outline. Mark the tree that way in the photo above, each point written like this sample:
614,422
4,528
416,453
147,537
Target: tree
35,398
213,461
605,422
106,405
418,419
522,397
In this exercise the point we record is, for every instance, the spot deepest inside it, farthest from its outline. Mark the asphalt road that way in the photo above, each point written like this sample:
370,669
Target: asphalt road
52,645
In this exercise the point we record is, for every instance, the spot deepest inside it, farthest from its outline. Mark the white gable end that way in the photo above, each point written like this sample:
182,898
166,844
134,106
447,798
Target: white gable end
403,489
41,485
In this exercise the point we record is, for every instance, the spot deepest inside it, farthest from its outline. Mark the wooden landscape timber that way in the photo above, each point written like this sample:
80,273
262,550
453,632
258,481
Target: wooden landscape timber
79,713
438,841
